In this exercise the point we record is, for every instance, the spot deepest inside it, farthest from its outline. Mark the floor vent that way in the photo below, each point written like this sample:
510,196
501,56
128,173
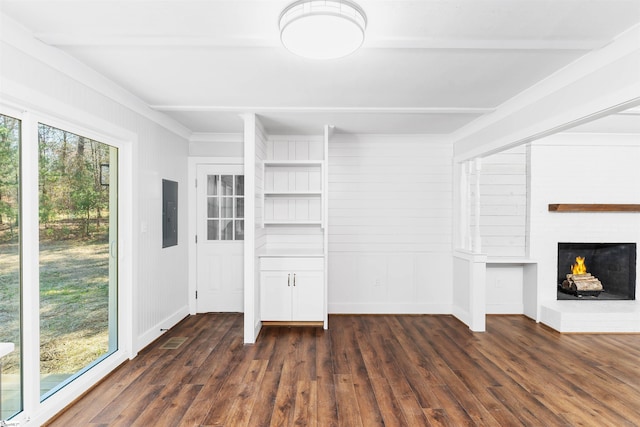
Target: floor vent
173,343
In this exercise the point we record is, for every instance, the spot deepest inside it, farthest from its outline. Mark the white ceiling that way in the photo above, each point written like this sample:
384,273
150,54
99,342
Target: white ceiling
427,66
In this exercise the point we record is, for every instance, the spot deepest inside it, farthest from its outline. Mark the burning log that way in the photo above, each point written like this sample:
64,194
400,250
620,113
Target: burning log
582,282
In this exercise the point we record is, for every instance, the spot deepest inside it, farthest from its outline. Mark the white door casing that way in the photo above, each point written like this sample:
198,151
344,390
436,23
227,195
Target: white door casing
219,248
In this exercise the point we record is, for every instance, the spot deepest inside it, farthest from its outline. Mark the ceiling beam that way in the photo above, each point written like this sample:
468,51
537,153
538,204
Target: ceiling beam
598,84
347,110
271,41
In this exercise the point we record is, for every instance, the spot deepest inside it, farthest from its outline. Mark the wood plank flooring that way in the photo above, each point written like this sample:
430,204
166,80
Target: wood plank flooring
383,370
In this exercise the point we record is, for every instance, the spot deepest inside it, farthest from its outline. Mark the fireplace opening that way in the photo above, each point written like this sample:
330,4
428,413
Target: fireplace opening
597,271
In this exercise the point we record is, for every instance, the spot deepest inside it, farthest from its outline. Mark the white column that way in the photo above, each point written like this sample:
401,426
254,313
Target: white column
465,206
249,227
477,238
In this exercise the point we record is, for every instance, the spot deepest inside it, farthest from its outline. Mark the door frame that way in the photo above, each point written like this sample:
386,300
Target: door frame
192,228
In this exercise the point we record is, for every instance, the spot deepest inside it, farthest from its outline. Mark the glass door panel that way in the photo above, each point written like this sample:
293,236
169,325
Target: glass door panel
10,265
78,244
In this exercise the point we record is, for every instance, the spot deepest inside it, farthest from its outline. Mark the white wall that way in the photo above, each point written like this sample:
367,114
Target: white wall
580,168
503,203
216,145
159,275
390,224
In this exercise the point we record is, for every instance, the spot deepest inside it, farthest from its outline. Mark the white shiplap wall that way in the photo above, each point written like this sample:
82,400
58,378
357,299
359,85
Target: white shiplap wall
503,203
390,224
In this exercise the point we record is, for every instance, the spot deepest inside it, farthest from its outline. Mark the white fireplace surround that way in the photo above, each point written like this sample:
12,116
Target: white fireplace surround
578,168
509,264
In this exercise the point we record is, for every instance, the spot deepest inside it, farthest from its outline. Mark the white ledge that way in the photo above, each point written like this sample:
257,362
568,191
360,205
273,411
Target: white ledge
510,260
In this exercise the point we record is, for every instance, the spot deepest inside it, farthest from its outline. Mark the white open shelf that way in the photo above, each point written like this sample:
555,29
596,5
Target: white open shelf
289,163
293,192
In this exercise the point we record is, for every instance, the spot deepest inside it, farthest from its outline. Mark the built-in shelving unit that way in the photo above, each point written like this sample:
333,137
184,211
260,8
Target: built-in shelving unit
293,252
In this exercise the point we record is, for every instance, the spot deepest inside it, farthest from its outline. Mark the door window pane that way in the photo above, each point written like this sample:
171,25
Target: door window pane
239,207
212,207
212,185
10,289
226,185
240,185
213,232
226,207
78,244
226,230
239,230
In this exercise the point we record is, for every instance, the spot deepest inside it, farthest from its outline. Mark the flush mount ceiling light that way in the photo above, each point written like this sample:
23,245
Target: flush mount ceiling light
322,29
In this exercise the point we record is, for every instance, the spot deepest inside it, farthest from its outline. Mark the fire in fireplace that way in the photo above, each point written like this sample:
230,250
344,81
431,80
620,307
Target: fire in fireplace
579,282
597,271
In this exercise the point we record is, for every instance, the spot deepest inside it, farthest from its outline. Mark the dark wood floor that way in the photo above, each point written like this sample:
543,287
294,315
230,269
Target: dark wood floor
372,371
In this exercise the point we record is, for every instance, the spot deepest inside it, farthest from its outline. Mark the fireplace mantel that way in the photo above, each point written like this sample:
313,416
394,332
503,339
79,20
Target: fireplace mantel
572,207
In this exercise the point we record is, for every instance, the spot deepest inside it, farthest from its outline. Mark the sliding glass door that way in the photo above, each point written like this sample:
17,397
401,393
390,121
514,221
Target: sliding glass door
78,244
10,268
59,287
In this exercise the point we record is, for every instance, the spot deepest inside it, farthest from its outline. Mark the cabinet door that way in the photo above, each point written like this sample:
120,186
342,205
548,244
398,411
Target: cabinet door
275,295
308,296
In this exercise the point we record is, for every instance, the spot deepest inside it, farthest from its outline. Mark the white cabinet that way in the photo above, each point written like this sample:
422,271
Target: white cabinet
292,289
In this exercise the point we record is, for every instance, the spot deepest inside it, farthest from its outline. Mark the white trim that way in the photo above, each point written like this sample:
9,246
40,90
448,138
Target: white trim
215,137
20,38
334,109
30,266
510,308
372,42
388,308
76,388
161,327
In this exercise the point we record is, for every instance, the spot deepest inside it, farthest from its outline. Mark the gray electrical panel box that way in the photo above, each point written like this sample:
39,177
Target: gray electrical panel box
169,213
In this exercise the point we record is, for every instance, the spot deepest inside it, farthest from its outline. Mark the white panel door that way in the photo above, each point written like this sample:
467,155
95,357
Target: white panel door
220,241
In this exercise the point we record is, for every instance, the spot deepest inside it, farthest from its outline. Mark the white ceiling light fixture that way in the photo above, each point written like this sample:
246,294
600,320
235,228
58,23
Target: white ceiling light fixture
322,29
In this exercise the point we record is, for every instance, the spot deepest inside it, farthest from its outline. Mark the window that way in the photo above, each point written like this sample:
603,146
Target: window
225,207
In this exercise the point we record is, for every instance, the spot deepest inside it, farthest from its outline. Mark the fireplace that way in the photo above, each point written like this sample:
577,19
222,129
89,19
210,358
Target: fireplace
611,264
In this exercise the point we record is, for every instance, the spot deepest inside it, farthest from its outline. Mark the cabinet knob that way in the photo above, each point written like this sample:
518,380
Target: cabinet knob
289,279
294,279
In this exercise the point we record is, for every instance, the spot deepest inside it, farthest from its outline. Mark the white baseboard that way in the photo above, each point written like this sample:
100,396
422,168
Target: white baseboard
153,333
462,315
388,308
505,308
